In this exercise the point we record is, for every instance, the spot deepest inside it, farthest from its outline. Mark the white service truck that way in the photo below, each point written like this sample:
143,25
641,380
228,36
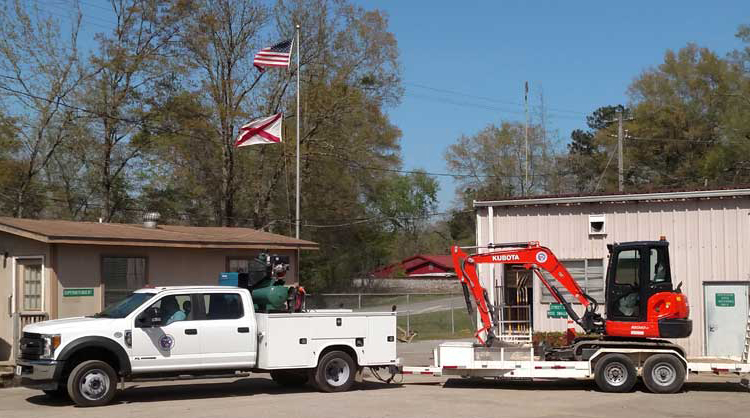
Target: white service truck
178,332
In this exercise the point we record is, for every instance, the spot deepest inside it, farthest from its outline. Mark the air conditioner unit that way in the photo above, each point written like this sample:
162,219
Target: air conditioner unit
597,225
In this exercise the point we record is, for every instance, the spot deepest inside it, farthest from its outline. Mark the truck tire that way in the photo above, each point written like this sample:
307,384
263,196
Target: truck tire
335,372
615,373
290,378
92,383
663,373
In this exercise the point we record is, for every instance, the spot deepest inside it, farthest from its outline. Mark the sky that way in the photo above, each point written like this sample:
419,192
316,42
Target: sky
464,64
580,54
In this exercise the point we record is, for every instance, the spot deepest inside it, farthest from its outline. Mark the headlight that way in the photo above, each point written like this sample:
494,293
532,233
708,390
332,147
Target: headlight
51,342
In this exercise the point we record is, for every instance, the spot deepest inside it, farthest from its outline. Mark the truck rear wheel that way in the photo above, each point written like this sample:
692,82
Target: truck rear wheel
615,373
290,378
92,383
335,372
663,373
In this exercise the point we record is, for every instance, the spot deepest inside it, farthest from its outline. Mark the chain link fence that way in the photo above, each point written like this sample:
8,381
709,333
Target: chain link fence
420,315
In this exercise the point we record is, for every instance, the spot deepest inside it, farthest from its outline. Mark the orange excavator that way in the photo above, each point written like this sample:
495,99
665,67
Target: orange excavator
640,301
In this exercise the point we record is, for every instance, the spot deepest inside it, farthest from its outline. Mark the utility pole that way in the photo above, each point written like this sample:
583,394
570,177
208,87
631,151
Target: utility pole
620,136
526,139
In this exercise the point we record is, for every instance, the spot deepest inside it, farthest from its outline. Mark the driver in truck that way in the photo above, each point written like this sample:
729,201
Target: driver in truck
171,310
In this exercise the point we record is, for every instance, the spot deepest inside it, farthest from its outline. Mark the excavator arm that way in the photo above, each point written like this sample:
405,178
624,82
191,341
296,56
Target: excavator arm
531,256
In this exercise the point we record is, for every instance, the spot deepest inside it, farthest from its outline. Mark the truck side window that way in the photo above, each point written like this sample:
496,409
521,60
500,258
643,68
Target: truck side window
223,305
174,308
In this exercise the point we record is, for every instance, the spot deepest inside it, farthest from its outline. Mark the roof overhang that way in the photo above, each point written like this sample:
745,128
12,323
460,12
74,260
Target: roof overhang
150,243
647,197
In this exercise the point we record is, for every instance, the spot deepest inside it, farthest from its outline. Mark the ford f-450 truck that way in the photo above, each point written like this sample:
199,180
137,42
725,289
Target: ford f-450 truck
201,331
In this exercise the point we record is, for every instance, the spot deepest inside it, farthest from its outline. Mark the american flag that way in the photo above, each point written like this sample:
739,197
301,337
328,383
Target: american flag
275,56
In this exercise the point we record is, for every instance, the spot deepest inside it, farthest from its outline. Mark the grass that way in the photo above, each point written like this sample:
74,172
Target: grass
437,325
400,300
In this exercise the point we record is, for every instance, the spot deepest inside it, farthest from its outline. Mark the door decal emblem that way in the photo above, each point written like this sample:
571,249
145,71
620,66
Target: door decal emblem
166,342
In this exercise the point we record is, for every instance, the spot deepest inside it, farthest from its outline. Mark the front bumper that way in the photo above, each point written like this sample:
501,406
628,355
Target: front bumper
39,374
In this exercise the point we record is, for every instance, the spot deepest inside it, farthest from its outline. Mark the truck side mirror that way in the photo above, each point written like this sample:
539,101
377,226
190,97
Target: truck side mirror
151,317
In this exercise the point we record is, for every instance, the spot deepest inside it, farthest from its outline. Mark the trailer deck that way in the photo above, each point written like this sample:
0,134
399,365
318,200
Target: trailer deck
465,359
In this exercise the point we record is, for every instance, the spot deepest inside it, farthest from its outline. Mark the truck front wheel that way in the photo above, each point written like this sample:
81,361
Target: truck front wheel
335,372
92,383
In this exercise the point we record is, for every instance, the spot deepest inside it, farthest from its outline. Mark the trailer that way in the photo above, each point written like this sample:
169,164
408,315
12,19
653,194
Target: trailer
643,310
614,369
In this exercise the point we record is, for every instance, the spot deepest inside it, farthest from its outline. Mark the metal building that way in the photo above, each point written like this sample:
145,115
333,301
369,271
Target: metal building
709,236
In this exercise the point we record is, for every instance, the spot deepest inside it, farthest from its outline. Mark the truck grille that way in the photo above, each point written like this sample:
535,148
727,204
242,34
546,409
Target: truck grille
32,346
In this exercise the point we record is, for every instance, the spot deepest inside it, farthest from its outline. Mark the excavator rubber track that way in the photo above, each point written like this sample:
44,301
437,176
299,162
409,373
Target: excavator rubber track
583,348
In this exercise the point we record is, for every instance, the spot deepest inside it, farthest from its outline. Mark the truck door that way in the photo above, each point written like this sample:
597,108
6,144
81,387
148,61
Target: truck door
173,340
229,334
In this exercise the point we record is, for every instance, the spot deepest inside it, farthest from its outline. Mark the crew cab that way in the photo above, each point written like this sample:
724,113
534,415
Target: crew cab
200,331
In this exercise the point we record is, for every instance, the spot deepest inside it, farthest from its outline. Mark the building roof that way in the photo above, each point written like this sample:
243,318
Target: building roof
94,233
442,262
609,198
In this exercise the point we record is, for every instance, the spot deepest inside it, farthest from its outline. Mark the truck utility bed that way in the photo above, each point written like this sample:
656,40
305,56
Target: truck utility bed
295,340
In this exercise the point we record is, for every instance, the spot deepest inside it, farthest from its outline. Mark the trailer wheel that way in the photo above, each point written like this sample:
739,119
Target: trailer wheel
663,373
615,373
290,378
335,372
92,383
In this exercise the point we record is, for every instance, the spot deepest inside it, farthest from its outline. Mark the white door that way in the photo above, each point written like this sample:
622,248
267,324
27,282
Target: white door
228,331
726,318
174,343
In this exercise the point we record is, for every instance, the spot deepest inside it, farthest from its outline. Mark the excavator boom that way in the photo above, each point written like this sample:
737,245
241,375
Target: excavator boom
531,256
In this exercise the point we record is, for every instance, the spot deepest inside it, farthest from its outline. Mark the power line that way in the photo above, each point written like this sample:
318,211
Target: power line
604,171
308,223
488,99
170,131
475,105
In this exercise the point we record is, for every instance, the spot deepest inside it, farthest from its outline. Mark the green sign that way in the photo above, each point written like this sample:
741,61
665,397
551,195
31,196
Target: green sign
557,310
78,292
725,300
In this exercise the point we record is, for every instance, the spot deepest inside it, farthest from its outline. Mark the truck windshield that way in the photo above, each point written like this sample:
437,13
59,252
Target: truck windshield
124,307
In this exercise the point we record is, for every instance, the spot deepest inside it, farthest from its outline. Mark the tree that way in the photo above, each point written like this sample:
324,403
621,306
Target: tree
130,67
590,151
493,162
41,72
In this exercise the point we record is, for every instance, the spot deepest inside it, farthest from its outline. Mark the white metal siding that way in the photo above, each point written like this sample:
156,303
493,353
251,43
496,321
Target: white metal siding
708,242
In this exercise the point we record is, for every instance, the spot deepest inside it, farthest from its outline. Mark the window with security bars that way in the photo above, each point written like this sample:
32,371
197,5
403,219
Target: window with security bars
588,273
244,265
30,278
121,276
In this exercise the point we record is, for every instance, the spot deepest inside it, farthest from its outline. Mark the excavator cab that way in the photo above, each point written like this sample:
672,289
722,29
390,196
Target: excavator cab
641,299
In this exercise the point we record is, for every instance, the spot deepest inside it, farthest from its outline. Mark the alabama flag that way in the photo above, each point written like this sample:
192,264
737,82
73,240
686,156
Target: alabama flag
261,131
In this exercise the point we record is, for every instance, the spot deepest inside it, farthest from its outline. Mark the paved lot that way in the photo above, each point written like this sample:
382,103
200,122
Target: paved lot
416,397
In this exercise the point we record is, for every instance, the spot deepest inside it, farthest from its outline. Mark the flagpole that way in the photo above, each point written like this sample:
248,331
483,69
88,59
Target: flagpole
296,221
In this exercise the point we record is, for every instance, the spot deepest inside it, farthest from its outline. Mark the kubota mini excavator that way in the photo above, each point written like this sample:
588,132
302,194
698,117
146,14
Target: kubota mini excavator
640,301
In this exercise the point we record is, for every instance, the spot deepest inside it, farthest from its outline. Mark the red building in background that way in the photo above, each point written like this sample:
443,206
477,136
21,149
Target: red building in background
418,266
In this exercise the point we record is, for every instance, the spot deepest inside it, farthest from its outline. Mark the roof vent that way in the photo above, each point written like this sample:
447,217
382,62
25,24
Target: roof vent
150,219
